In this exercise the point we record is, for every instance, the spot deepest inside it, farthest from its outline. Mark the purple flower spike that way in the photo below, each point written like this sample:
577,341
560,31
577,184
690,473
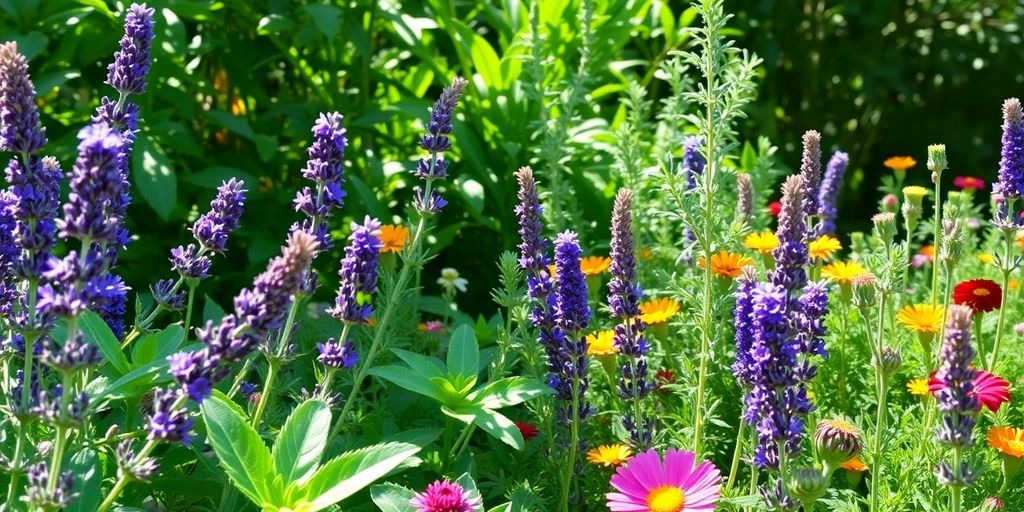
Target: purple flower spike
1011,163
693,160
324,168
36,189
956,399
810,170
358,274
167,424
829,192
20,130
743,367
127,73
9,252
791,254
436,142
337,355
95,181
572,311
212,229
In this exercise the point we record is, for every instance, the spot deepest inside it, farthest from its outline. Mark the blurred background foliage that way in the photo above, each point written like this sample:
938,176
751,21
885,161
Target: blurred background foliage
236,85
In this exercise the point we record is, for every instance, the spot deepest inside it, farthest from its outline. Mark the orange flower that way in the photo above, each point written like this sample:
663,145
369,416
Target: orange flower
393,238
658,311
609,455
645,254
855,464
727,264
1020,241
921,318
594,265
900,163
1007,440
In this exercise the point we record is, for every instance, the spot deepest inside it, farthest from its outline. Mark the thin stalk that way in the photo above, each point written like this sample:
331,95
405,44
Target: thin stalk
977,336
275,360
737,454
60,440
1001,319
383,324
240,376
955,490
265,392
936,241
880,383
188,309
12,486
574,428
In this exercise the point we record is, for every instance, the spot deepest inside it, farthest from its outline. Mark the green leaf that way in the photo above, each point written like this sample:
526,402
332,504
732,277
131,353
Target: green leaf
96,330
266,146
327,18
302,440
157,345
508,391
242,454
214,176
463,352
273,24
235,124
499,427
408,379
212,310
428,366
155,177
391,497
134,383
352,471
88,476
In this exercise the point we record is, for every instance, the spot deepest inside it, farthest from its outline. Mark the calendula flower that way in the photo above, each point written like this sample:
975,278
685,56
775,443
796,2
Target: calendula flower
609,455
823,247
855,464
921,318
1020,241
658,311
601,343
917,387
991,390
764,242
726,264
900,163
1007,440
594,265
843,272
969,183
981,295
986,258
451,281
646,483
393,238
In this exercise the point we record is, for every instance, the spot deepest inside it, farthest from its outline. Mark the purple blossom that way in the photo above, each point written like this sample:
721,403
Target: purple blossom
324,168
624,292
166,295
187,261
956,399
20,130
1011,162
533,248
94,184
168,424
36,191
127,73
572,311
358,274
743,367
212,229
436,141
9,252
809,324
41,495
337,355
693,160
264,307
810,171
791,254
829,192
77,353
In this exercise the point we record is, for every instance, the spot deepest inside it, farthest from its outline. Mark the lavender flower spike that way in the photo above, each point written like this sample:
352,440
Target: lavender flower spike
9,252
533,249
572,311
211,229
743,366
358,274
436,142
623,291
36,189
1011,163
791,254
830,192
571,315
95,180
324,168
20,130
810,170
127,73
693,161
956,399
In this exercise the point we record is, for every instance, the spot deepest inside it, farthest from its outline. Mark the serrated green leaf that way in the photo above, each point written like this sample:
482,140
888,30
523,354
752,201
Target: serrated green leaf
241,451
301,441
391,497
352,471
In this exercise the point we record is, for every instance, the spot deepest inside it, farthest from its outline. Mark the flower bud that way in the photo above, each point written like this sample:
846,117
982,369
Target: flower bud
885,226
836,441
890,361
992,504
913,201
807,484
1019,329
890,202
937,158
864,291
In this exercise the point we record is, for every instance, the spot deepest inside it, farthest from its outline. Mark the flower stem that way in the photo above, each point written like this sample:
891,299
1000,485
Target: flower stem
574,428
265,392
1001,319
737,454
955,490
188,309
936,241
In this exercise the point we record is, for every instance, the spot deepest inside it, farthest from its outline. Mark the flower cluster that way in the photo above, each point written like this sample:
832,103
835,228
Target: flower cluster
358,274
436,142
829,192
957,399
810,171
571,315
1011,163
20,129
211,231
131,63
324,168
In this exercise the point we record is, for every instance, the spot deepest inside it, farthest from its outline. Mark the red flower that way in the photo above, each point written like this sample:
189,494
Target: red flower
981,295
992,391
969,183
774,208
663,377
528,430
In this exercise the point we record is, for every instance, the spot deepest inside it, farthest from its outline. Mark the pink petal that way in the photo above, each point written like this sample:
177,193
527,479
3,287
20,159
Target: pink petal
646,467
620,503
678,466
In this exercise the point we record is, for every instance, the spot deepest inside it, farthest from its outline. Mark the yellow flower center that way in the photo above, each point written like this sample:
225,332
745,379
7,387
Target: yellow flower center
981,292
666,498
1015,445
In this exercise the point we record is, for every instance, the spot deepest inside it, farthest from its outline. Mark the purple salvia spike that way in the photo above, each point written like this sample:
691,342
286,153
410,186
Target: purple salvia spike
127,73
1011,162
358,274
829,192
20,129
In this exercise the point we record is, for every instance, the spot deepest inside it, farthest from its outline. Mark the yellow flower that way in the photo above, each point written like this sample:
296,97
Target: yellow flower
601,344
645,254
727,264
823,247
1013,284
393,238
658,311
843,272
918,387
855,465
594,265
900,163
609,455
915,192
986,258
764,242
921,318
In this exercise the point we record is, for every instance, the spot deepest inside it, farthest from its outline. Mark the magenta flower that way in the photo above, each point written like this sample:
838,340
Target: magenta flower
445,496
646,484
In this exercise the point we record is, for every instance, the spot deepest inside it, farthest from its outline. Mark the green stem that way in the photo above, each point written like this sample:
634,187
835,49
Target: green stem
737,454
16,470
936,240
955,490
574,428
188,309
268,384
977,337
460,443
60,441
240,376
1001,319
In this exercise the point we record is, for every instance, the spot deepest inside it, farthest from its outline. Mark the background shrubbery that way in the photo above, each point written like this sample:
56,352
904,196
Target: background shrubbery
236,85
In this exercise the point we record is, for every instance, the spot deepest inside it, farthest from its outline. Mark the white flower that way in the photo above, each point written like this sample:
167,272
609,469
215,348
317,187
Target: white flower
451,281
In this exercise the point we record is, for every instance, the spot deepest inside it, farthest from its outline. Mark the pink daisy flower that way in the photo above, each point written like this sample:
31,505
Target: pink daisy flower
445,496
992,391
646,484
